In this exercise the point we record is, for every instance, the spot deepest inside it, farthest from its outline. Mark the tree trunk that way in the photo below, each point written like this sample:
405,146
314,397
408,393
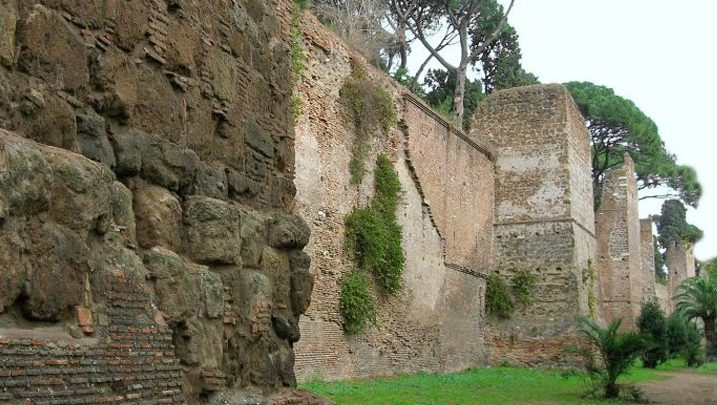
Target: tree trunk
459,94
402,46
711,337
611,389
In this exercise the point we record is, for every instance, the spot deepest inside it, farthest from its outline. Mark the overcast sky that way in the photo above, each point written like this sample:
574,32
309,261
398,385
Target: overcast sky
660,54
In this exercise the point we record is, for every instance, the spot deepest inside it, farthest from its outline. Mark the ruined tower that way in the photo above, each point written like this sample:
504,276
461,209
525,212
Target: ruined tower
619,259
647,251
543,217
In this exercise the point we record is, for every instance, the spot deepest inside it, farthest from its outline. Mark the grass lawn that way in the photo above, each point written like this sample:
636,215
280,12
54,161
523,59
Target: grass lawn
496,385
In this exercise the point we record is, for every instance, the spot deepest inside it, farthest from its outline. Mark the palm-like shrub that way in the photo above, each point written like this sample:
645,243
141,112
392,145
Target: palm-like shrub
617,352
697,298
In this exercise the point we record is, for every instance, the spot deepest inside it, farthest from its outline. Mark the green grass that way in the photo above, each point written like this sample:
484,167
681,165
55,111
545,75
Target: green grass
498,385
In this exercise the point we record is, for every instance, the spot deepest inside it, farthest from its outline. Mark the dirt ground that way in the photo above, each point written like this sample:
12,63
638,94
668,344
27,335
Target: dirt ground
682,387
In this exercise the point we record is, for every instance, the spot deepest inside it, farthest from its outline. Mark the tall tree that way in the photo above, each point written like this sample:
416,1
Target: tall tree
616,126
398,16
462,17
697,298
440,85
360,24
499,62
673,228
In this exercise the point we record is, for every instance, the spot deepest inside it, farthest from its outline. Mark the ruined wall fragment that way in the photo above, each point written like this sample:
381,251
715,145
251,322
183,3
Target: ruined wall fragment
543,221
146,191
647,252
620,267
434,323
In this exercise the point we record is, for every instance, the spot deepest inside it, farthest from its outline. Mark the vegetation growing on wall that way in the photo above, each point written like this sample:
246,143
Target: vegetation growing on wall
523,284
374,236
371,112
589,277
356,302
497,297
298,58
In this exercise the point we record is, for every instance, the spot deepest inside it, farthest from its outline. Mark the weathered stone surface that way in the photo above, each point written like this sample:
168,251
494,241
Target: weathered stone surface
81,190
286,327
302,281
122,211
128,148
275,265
52,50
26,178
253,235
92,137
50,120
210,181
169,165
8,24
287,231
212,231
55,280
158,215
11,276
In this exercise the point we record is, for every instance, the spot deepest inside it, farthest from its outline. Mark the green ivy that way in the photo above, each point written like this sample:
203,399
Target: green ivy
356,302
298,58
374,236
497,297
523,284
371,111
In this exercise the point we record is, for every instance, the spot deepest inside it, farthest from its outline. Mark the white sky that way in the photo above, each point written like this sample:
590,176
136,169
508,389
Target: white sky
660,54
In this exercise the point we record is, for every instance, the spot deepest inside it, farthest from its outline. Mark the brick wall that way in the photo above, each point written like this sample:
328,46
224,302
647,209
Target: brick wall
434,323
543,221
619,247
647,253
680,262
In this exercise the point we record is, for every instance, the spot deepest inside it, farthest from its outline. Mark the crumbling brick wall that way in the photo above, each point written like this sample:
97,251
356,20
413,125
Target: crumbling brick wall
680,262
647,253
619,247
145,201
543,221
434,323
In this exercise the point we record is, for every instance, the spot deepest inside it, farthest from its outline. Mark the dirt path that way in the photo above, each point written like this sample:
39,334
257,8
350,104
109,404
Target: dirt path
682,387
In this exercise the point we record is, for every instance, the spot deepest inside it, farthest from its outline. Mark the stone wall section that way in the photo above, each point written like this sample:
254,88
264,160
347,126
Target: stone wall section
680,262
145,201
540,223
619,247
647,252
434,323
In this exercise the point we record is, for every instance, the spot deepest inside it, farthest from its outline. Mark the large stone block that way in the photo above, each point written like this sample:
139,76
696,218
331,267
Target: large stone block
288,231
212,231
26,178
122,211
253,235
92,138
302,282
159,216
169,165
8,24
50,120
52,50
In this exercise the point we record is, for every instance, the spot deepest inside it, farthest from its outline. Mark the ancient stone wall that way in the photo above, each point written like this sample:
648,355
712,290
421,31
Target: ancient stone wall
542,222
147,251
664,298
434,323
647,253
680,262
619,247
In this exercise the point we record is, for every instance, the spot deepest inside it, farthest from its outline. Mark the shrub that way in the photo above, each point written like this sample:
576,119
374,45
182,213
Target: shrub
617,353
684,340
652,325
497,297
371,112
356,303
523,284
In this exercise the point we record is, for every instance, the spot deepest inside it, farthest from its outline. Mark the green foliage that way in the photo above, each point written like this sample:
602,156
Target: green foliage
684,340
523,284
652,325
295,107
499,62
441,87
617,352
710,269
497,297
356,303
371,111
373,233
617,126
660,274
697,298
298,58
672,226
589,277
